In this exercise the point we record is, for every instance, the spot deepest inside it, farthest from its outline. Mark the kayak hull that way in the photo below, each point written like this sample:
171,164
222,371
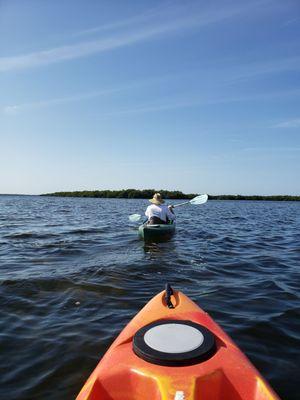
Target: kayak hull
226,375
156,232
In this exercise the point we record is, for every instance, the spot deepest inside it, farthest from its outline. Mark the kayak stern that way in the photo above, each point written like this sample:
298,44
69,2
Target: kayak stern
156,232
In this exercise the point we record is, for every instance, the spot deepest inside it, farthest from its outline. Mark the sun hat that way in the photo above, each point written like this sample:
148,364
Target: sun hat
157,199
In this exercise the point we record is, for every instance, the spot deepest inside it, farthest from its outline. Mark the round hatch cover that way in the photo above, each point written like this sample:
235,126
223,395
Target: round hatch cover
174,343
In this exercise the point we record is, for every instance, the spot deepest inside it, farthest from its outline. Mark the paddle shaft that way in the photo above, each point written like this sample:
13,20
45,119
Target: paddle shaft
201,199
181,204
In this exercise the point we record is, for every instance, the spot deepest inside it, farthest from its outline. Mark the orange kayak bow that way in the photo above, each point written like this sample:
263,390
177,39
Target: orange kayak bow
173,350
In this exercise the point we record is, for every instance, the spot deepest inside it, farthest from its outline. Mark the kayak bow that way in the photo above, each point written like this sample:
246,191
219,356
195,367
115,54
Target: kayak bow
173,350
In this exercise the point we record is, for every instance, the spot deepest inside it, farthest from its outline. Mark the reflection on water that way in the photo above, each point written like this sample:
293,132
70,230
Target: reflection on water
74,272
163,246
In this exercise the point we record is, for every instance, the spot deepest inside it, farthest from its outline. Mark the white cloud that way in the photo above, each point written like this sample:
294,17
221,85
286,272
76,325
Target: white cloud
153,13
10,110
271,150
291,123
275,66
172,104
186,20
161,105
13,109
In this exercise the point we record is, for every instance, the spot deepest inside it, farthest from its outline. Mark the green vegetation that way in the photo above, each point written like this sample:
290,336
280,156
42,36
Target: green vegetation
167,194
254,197
123,194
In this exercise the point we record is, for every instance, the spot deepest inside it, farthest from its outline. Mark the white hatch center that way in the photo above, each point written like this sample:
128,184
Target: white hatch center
173,338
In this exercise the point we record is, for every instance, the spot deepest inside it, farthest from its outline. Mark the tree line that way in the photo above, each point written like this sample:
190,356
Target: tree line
254,197
167,194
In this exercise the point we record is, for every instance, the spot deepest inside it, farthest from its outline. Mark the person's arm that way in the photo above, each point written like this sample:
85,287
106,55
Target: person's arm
171,214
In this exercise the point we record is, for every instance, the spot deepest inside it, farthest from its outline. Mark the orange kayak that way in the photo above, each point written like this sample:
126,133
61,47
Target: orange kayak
173,350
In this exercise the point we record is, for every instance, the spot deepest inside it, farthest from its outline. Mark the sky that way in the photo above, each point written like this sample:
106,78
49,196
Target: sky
197,96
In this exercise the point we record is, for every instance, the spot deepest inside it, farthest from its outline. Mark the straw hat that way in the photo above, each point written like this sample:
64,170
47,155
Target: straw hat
157,199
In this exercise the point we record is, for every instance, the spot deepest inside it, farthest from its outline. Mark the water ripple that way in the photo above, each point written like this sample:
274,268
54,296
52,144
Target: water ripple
73,273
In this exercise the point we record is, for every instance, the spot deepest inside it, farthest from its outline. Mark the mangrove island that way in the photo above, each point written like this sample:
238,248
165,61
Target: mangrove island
167,194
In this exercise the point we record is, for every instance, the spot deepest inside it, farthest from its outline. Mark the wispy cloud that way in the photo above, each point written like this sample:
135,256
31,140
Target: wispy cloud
161,105
291,21
145,17
13,109
290,123
274,66
172,104
186,20
10,110
266,150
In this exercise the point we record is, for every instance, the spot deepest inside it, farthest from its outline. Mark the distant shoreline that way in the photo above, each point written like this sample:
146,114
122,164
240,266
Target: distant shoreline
172,195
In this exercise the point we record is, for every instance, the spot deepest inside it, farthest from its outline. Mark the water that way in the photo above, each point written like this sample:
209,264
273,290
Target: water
73,273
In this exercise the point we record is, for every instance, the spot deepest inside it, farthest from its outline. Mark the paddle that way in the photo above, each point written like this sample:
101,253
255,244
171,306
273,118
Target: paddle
134,217
201,199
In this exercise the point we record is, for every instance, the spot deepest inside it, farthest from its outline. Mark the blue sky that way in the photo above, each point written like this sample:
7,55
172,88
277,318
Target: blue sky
195,96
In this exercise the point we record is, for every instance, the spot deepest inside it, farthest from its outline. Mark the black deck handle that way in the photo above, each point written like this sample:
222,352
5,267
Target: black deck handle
169,293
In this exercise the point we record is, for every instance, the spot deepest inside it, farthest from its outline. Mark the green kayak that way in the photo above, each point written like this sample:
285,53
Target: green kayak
157,231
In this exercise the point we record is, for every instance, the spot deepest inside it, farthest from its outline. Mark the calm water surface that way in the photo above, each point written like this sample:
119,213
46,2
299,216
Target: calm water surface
73,273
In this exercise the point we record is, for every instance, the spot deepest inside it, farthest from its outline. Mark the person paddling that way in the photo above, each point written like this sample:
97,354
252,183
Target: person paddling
158,212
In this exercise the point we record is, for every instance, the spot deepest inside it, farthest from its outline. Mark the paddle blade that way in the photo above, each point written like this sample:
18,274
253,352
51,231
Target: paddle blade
134,217
199,199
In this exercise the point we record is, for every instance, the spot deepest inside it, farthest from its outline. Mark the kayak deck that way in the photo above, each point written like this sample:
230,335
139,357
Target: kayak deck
157,231
224,373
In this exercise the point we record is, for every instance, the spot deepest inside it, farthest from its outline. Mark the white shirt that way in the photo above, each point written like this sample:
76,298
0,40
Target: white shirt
161,212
